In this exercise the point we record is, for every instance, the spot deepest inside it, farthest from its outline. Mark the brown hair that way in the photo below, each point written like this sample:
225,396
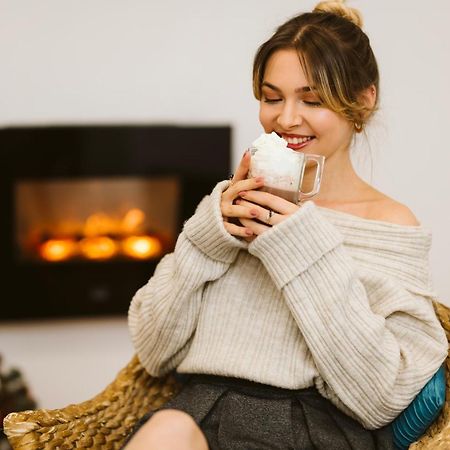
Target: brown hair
335,54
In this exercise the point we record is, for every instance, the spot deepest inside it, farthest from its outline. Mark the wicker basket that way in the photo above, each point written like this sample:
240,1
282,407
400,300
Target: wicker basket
104,422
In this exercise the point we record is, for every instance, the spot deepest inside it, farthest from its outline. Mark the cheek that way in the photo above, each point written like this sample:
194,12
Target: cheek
326,121
264,118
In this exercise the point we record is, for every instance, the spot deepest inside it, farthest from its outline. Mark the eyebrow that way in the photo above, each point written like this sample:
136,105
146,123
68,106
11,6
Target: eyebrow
274,88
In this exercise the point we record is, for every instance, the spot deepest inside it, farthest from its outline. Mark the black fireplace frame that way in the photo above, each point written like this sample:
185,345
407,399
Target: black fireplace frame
198,156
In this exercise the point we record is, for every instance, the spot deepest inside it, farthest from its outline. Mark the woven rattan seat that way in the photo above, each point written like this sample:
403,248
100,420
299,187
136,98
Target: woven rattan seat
105,421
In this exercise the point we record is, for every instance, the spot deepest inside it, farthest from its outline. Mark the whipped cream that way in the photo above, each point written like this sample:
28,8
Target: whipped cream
280,166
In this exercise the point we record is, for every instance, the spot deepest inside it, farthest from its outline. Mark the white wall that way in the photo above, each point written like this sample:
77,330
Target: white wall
66,361
136,61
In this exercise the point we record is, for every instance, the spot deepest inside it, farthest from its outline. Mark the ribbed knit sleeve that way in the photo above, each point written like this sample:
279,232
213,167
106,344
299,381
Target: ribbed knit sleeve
206,230
163,314
374,337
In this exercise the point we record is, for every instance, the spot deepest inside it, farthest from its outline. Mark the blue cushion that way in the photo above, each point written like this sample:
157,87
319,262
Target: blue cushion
414,421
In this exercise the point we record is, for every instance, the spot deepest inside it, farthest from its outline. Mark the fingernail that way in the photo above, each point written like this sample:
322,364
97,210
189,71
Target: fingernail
259,179
253,213
249,232
242,194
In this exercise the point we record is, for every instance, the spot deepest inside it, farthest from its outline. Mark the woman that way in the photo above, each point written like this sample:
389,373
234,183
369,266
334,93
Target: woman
304,326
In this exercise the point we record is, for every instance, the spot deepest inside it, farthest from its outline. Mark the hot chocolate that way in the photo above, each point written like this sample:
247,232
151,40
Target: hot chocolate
282,167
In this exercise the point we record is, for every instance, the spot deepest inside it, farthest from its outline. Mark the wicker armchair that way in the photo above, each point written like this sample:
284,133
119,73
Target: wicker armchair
104,422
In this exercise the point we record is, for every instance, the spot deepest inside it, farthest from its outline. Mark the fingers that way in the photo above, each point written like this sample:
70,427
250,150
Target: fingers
236,210
270,210
242,170
255,227
269,201
265,215
236,187
237,230
231,210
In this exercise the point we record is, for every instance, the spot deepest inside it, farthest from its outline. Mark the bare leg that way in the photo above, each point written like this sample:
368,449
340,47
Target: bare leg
169,429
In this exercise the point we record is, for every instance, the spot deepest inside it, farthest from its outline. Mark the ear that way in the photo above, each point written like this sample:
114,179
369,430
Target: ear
369,97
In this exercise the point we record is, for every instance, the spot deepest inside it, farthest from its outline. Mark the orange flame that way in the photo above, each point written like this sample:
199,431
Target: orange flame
142,247
99,247
58,249
97,244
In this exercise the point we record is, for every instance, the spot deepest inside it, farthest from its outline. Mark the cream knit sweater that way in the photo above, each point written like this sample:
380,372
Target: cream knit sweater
324,298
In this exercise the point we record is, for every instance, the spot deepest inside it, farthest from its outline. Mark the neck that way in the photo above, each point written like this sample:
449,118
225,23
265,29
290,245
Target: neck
340,182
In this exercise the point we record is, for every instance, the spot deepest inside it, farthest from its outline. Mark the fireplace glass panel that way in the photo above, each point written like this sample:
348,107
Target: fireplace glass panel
95,219
86,209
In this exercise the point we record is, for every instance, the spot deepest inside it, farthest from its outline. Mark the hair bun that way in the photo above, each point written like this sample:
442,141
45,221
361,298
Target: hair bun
339,8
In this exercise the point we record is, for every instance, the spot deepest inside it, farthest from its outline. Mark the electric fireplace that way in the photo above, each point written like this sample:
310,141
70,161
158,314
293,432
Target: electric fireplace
89,211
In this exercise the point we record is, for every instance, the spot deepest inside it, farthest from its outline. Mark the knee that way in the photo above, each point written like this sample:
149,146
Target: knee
169,428
172,420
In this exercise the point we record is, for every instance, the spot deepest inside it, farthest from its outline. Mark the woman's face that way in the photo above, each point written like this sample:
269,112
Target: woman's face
290,107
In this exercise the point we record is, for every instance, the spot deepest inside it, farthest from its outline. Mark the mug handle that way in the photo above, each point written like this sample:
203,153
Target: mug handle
319,160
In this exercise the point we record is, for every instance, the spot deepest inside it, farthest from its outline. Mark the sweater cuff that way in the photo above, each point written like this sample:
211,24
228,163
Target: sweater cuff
206,231
291,247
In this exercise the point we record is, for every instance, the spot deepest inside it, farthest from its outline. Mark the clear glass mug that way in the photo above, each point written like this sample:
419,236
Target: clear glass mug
289,185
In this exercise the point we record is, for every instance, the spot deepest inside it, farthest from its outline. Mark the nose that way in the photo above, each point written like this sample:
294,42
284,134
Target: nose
290,116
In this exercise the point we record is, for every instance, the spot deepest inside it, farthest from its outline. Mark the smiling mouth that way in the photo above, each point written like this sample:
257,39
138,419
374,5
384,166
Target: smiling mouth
296,142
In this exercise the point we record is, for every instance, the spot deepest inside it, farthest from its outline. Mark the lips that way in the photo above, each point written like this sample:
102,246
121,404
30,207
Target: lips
297,141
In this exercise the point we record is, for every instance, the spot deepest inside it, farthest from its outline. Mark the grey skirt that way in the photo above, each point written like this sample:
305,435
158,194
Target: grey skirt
237,414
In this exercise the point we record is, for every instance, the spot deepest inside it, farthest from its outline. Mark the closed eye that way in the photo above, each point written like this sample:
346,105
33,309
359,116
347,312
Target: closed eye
312,103
272,100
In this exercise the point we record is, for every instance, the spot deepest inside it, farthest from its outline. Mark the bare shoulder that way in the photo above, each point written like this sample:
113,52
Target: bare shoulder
389,210
369,203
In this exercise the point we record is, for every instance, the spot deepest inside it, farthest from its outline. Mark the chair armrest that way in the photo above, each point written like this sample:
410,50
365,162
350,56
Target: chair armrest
437,436
102,422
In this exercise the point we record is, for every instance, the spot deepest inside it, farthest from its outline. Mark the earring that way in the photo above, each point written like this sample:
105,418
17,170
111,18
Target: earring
358,126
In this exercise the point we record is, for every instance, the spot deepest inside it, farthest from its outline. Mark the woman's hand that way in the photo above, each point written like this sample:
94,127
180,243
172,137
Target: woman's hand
270,210
233,213
248,212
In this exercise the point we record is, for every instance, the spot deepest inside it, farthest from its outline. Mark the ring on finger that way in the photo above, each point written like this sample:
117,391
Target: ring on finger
269,216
